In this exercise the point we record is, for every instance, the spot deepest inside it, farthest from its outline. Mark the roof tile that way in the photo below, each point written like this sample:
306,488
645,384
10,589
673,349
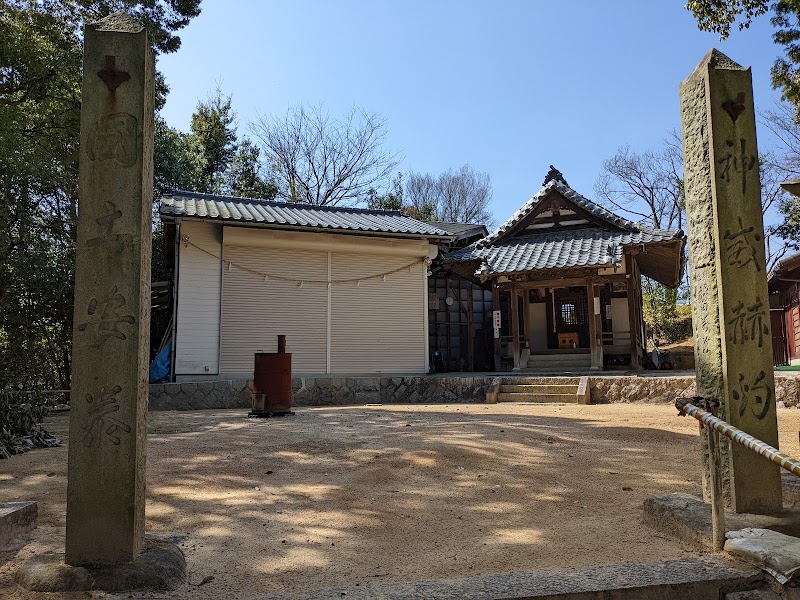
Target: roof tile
226,208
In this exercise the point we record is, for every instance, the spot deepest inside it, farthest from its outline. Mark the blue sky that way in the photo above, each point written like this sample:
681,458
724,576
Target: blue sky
509,87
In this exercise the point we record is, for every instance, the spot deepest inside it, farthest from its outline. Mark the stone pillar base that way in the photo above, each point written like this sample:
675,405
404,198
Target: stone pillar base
160,566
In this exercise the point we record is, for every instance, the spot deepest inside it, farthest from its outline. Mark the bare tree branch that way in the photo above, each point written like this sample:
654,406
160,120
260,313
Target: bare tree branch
461,196
323,161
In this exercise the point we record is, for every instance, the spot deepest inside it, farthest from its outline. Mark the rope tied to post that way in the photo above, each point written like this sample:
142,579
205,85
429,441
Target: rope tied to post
686,406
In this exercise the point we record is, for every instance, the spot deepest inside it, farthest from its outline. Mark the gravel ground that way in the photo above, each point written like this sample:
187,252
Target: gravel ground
341,496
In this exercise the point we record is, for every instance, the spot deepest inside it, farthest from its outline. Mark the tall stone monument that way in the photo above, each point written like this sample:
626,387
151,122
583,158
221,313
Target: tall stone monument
730,302
106,472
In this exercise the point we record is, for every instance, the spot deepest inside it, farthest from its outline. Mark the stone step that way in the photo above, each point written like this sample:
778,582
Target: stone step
545,358
544,380
559,364
539,388
701,577
521,397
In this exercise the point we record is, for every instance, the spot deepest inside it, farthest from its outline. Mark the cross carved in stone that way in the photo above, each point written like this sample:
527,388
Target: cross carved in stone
110,76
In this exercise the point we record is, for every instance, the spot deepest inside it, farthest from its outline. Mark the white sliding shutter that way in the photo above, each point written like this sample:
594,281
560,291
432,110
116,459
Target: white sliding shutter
377,326
255,312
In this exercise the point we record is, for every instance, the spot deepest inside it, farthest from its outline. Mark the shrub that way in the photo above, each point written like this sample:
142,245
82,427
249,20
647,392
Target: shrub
21,424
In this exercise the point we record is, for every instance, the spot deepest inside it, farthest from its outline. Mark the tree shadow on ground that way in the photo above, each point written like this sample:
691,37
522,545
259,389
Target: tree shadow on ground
358,493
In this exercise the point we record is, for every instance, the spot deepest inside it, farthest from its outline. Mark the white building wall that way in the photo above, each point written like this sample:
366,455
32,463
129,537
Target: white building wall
198,309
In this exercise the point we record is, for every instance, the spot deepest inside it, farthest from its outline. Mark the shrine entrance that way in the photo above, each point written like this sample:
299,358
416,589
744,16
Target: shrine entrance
570,316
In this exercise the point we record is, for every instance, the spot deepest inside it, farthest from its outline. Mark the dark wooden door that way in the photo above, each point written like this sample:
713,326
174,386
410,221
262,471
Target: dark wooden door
572,314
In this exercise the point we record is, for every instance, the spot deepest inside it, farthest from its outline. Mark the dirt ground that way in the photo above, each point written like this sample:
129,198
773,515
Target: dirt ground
345,496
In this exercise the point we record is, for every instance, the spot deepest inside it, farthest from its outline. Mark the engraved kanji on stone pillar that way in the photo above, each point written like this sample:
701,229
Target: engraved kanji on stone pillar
730,312
106,472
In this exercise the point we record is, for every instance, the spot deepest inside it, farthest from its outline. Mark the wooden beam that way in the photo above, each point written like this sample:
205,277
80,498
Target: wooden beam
595,326
496,306
545,283
470,330
580,280
633,314
514,322
526,317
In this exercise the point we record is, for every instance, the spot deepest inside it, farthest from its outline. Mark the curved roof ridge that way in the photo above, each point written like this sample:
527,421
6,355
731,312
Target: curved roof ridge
582,201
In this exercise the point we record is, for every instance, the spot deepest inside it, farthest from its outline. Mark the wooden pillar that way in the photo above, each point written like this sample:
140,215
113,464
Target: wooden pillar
496,306
634,321
470,329
595,326
514,322
526,315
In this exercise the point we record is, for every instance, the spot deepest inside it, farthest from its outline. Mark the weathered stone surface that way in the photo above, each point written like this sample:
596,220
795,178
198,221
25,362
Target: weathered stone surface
160,566
730,302
776,553
688,518
787,390
753,595
708,577
310,391
16,518
650,390
106,481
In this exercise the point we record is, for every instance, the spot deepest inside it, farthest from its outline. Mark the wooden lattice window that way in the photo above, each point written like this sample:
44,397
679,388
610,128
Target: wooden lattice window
572,311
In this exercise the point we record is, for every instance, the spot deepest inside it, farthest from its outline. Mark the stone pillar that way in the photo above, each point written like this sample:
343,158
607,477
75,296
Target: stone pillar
730,304
106,472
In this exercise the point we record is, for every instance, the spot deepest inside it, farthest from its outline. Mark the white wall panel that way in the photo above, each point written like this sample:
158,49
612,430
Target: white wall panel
255,311
377,326
197,339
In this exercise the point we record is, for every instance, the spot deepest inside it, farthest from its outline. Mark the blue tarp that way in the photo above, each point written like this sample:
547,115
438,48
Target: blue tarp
159,370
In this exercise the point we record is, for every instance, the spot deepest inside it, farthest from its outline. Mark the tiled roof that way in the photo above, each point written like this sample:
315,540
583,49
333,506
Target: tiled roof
571,248
462,229
783,266
582,202
292,215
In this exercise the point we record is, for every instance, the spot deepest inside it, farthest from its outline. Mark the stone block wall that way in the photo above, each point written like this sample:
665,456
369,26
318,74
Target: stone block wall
416,389
324,391
200,395
654,389
663,389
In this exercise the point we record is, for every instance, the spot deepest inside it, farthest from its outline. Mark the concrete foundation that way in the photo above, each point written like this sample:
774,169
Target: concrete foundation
432,389
160,566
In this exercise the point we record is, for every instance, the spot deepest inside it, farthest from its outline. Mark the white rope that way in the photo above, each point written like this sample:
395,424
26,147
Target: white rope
739,436
268,276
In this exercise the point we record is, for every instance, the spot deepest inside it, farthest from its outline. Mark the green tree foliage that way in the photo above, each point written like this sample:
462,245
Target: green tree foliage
391,200
245,176
40,71
21,416
173,167
210,158
719,16
212,141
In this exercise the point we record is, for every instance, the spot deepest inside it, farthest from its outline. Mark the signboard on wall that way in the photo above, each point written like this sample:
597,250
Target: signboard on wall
496,321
